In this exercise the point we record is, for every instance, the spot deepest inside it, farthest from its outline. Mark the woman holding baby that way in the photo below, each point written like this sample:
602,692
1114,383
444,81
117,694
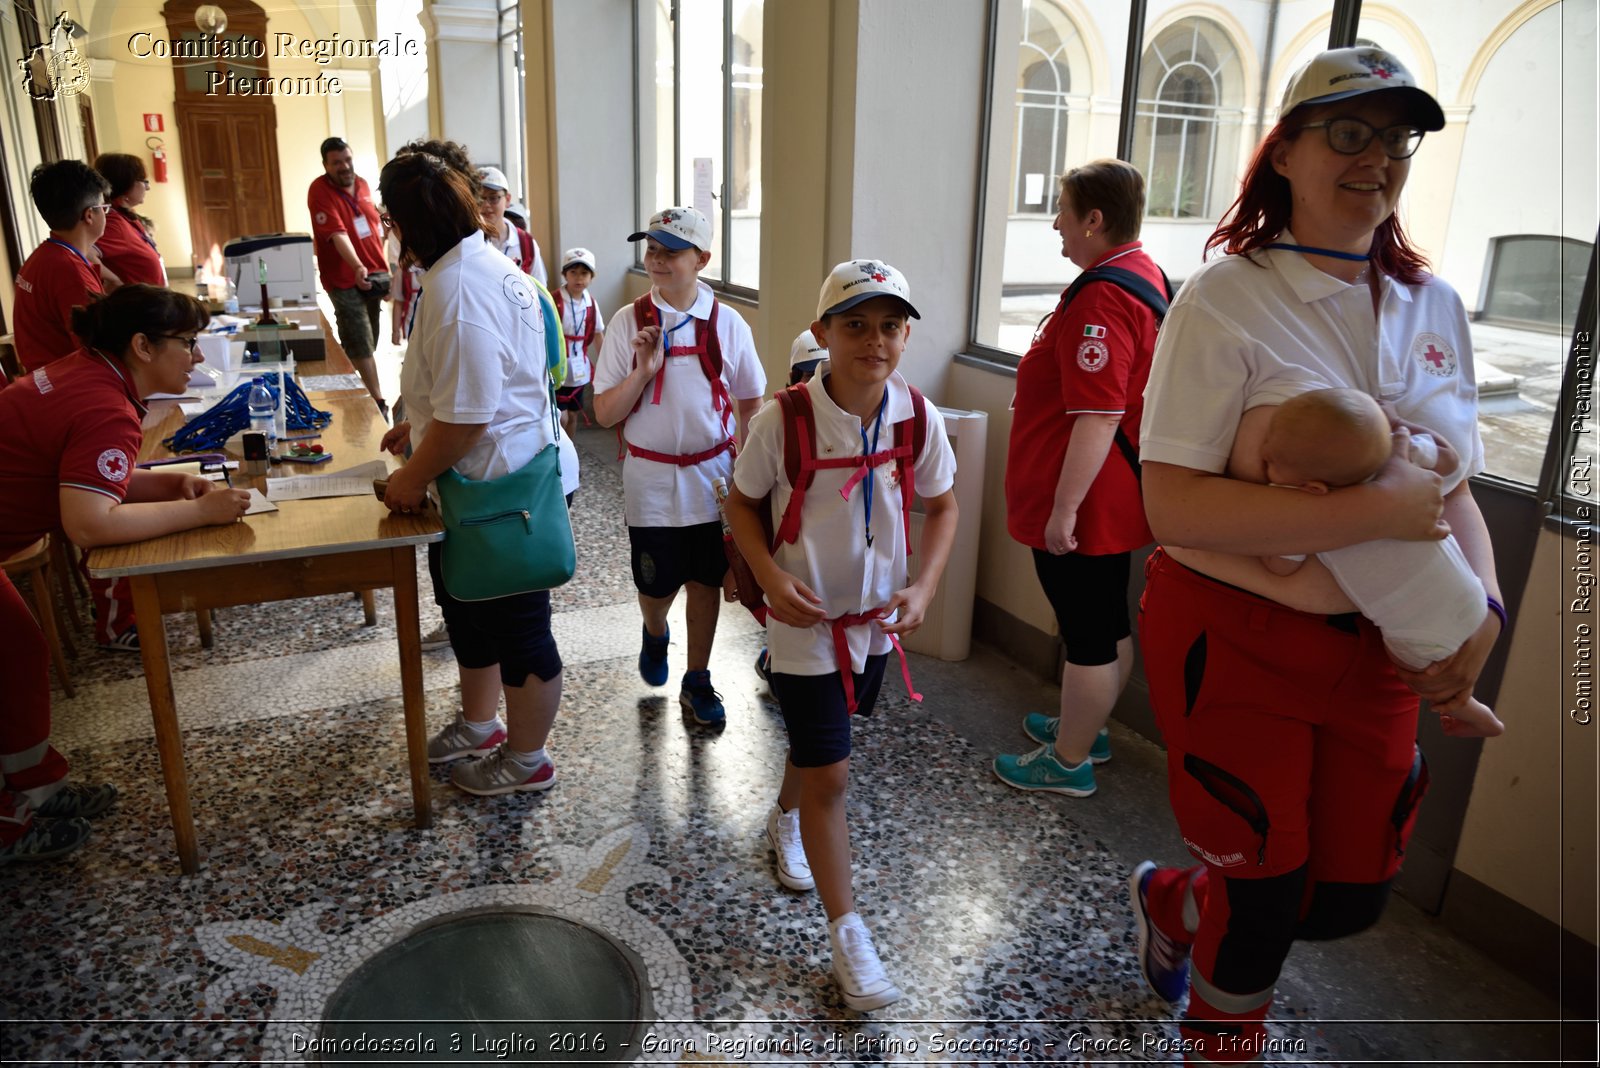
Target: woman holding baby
1289,720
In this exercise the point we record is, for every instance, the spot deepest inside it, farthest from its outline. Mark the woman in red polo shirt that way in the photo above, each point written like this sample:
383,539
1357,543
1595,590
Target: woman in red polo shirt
1072,475
127,248
67,463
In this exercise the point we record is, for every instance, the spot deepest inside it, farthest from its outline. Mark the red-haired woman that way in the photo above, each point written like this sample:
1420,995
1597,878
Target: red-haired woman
1292,763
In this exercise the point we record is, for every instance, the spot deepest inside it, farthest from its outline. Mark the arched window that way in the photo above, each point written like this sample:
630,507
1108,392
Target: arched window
1187,132
1050,49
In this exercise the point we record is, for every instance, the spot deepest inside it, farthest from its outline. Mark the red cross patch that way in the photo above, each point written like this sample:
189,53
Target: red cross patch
1435,355
113,465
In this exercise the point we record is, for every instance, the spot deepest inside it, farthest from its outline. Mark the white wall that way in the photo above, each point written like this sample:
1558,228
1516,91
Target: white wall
404,78
593,160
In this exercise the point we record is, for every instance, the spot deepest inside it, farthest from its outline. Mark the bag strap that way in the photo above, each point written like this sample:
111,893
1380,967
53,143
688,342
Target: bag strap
915,428
799,456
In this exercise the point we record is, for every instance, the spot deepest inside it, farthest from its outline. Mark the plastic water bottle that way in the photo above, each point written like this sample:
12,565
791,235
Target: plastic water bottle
262,408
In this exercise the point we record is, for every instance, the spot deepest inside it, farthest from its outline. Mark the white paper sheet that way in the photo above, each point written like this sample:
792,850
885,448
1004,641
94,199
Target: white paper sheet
259,503
351,482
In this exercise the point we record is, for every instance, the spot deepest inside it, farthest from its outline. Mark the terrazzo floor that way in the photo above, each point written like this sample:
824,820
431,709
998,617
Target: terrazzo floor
1002,915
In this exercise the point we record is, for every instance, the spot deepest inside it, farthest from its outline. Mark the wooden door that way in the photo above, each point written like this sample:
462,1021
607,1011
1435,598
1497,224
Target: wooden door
230,171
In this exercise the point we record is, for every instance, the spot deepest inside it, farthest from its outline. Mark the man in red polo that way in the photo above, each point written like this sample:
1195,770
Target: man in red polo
61,274
349,248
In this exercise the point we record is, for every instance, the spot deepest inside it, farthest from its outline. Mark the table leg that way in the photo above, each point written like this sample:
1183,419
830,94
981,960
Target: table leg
408,630
202,621
369,606
164,712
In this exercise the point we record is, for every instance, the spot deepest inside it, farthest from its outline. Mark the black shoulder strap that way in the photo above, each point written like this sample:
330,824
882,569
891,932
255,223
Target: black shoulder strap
1157,301
1135,285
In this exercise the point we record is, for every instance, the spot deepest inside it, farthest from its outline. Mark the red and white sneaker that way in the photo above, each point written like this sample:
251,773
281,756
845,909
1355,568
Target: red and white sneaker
498,773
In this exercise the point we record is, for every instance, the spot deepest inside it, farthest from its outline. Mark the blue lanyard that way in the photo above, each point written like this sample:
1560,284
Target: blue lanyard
75,252
1315,251
666,342
868,451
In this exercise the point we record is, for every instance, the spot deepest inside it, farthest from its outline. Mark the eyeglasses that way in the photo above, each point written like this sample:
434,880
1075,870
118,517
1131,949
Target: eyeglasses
99,207
145,182
1351,136
386,219
189,341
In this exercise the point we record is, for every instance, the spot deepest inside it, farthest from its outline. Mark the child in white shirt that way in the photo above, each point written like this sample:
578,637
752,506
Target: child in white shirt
675,369
582,326
837,594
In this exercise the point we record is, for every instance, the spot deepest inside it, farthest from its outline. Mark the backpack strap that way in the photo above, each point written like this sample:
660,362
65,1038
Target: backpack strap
525,244
1158,301
799,456
916,430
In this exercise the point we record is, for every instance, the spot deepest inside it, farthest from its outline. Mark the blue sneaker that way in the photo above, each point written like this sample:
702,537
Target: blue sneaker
653,657
764,664
1163,960
1042,729
1039,770
700,700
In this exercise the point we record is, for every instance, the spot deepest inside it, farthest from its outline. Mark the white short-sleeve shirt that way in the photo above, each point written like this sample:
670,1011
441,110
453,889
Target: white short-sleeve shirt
575,314
477,356
685,422
1252,331
831,555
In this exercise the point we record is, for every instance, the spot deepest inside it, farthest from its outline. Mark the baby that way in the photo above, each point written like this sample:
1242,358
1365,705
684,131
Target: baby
1423,596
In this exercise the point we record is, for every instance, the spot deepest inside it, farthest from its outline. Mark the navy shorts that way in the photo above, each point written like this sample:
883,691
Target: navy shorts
815,714
665,558
1090,597
513,632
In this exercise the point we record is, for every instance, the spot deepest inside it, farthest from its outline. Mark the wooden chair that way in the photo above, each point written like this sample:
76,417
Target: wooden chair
34,561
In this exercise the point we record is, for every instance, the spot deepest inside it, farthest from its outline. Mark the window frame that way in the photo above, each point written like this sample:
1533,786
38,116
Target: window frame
512,10
721,225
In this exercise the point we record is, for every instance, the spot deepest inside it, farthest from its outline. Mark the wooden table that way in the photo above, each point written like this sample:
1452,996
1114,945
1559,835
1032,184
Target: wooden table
305,549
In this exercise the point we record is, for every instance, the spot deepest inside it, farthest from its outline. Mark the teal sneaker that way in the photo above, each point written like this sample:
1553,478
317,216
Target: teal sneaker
1039,770
653,657
1042,729
700,700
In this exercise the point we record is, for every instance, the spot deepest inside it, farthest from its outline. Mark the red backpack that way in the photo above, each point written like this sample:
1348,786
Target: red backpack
709,349
801,463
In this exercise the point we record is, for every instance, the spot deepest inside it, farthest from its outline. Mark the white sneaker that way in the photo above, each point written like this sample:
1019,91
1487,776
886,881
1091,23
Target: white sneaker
783,835
499,774
456,741
856,965
436,639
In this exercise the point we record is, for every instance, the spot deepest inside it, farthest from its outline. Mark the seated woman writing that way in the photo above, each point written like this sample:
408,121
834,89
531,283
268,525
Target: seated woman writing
72,434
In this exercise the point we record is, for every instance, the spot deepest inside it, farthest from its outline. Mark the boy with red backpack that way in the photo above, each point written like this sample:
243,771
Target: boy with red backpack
841,457
676,368
582,329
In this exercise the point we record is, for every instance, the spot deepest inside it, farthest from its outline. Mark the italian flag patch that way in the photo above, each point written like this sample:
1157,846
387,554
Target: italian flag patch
1094,331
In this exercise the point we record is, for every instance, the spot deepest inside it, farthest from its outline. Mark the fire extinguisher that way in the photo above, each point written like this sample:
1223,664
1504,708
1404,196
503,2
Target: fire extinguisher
158,158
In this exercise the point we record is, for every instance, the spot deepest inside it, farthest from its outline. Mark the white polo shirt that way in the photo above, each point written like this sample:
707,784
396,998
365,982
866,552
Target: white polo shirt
1252,331
477,355
831,555
684,423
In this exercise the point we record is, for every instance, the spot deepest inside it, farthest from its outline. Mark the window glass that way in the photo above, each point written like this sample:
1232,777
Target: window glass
744,171
700,123
512,96
1186,139
1513,240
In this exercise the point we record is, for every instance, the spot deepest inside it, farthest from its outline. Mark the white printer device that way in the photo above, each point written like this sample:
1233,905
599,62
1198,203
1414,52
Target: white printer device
291,272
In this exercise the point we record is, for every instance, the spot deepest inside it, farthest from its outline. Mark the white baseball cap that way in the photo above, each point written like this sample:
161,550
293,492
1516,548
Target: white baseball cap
494,178
854,281
805,353
1342,73
678,228
574,256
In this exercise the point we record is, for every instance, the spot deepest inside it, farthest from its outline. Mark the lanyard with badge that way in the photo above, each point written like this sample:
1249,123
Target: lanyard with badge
869,450
363,228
